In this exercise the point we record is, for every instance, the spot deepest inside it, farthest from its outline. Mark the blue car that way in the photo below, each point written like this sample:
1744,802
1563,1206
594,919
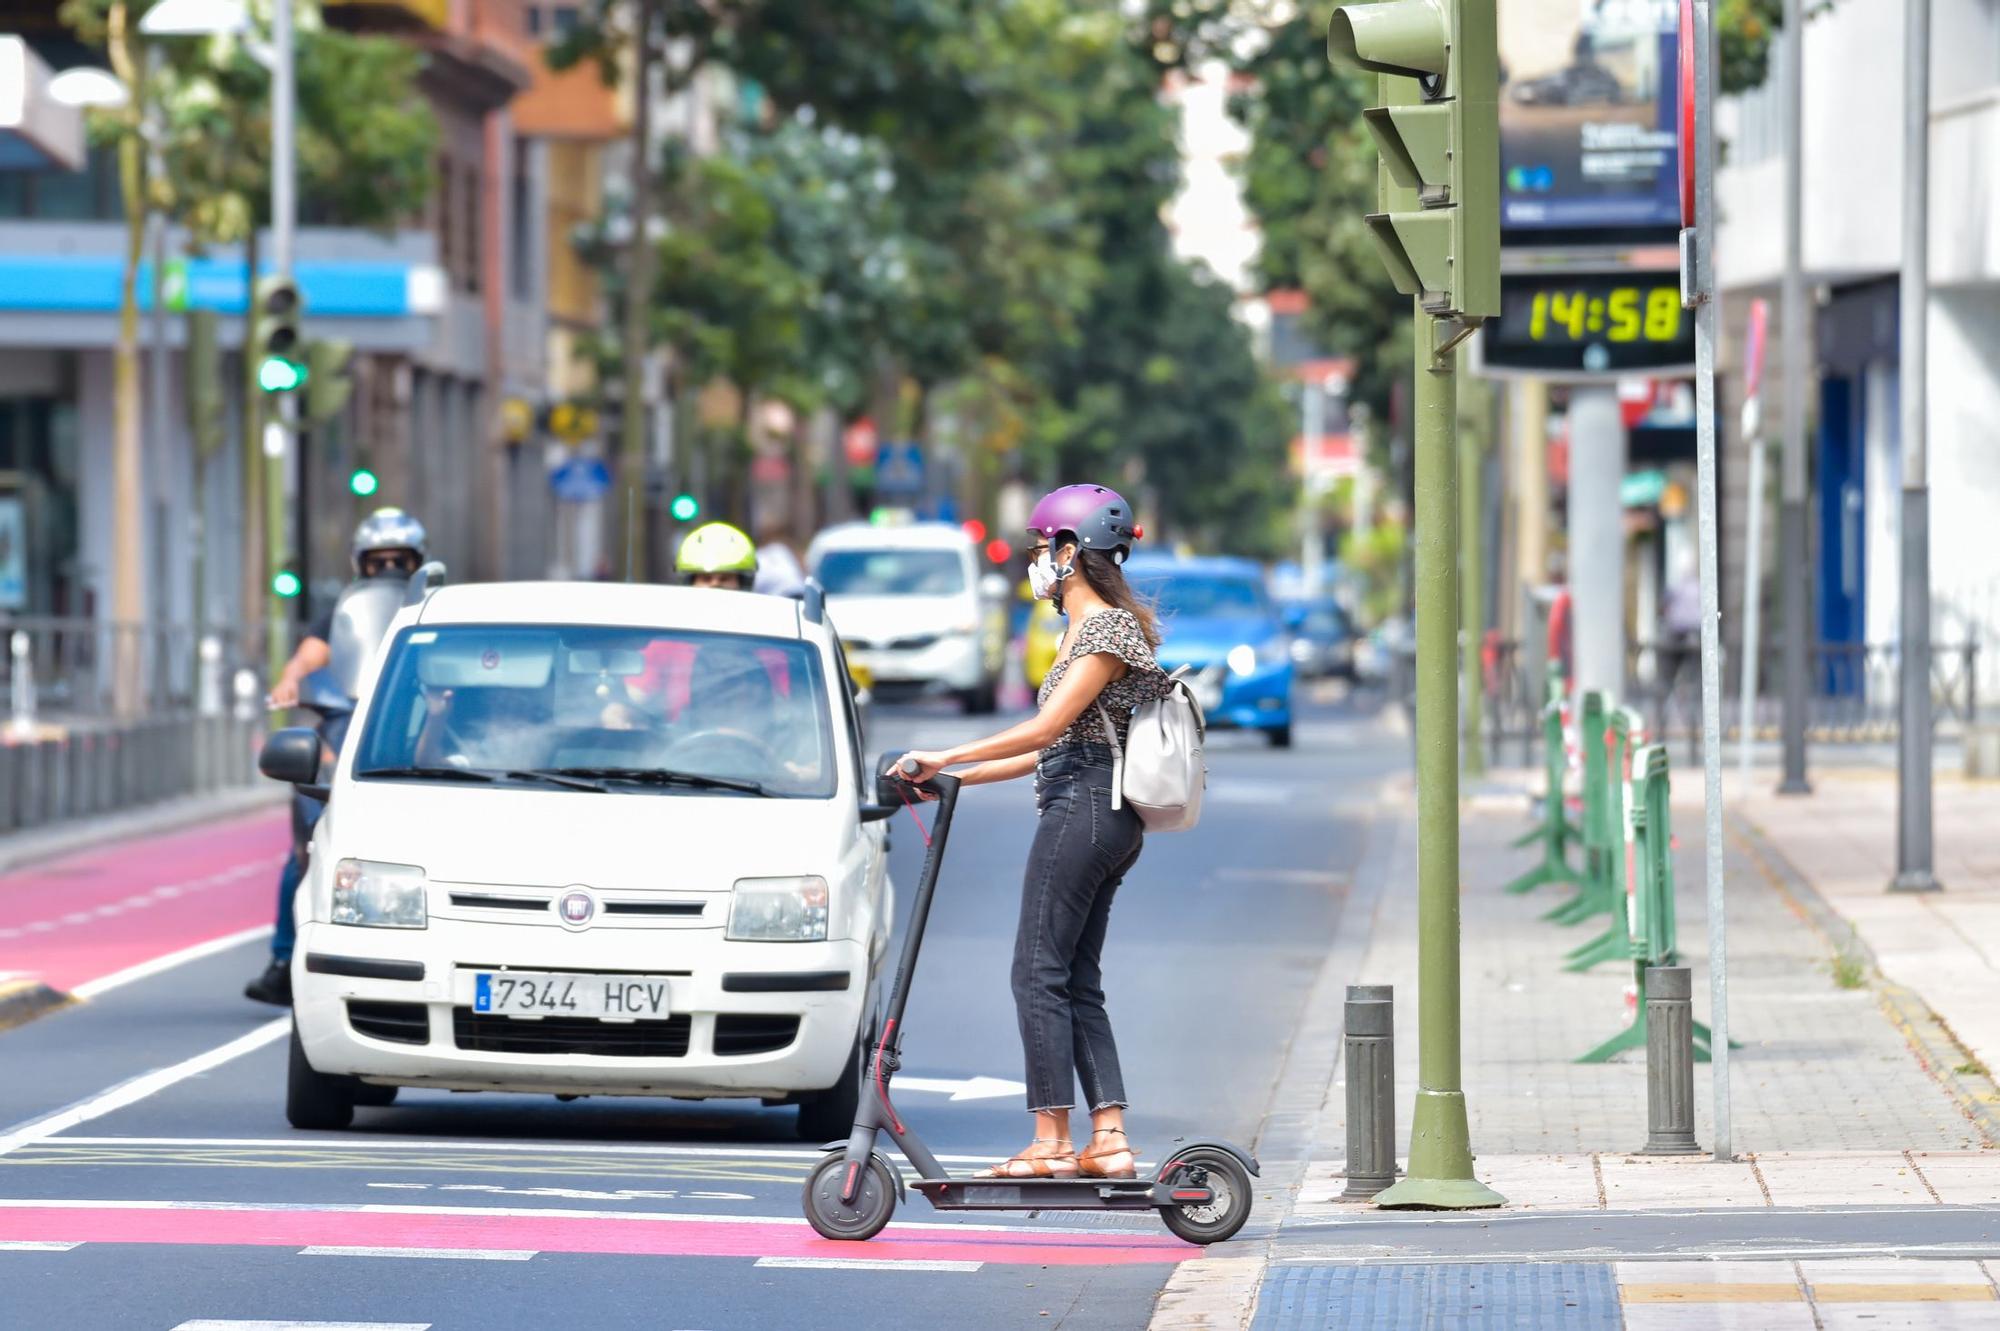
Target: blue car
1217,618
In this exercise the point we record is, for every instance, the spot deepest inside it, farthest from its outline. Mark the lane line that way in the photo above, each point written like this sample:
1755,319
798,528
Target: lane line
552,1147
862,1264
167,961
138,1088
224,1226
230,1324
36,1245
441,1254
1121,1238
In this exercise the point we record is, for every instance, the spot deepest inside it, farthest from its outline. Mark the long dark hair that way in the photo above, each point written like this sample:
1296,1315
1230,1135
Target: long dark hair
1107,579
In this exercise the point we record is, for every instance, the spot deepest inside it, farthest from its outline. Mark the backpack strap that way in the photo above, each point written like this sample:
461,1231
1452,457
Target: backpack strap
1117,756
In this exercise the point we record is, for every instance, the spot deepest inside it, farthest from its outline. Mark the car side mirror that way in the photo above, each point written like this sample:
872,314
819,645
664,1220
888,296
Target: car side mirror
292,756
877,813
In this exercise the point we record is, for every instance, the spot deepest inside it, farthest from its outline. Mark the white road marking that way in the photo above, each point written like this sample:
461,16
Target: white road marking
228,1324
863,1264
138,1088
963,1088
511,1212
443,1254
36,1245
461,1144
145,969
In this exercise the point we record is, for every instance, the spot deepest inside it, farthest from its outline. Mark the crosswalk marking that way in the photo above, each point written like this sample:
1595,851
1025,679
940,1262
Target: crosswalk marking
228,1324
445,1254
864,1264
36,1245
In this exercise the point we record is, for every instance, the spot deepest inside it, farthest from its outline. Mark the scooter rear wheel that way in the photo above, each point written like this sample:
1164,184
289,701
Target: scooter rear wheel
864,1217
1228,1181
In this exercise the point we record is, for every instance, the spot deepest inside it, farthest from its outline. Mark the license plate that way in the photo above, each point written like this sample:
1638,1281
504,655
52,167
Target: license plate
549,994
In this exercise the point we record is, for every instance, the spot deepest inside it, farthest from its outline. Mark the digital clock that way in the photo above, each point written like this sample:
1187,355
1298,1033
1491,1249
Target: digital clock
1589,324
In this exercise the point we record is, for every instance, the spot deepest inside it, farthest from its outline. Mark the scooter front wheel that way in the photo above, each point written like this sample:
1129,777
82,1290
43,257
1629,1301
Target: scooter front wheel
1229,1186
863,1218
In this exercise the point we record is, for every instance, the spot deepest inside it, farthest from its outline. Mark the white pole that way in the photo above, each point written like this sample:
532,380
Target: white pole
1702,293
1312,426
1597,537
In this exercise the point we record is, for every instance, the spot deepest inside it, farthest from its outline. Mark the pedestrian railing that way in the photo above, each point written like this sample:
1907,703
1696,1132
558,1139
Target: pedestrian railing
1627,870
1852,696
73,663
1554,830
93,769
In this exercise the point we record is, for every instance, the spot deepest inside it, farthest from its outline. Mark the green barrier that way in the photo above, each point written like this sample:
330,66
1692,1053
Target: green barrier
1606,738
1648,934
1555,831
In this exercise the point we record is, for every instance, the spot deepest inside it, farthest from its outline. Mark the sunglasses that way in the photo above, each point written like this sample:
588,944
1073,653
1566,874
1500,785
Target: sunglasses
401,562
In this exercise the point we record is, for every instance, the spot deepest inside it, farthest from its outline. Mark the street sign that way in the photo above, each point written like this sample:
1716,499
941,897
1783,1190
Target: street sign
580,480
857,441
899,468
572,422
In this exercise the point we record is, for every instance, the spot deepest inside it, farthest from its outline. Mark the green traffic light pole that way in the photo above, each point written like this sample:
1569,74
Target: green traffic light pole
1438,232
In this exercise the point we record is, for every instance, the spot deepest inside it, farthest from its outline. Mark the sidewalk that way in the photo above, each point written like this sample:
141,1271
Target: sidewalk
1853,1136
1943,946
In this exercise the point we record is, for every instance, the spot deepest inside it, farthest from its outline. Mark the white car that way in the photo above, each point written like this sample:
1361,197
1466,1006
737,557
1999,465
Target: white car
593,839
913,608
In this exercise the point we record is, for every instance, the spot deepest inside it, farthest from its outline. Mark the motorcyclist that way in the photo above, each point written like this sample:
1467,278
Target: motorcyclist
388,543
718,554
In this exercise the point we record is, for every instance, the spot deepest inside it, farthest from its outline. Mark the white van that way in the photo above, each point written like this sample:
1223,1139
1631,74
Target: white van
593,839
913,608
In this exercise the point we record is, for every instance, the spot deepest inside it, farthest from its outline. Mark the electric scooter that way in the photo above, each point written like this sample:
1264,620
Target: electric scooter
1202,1192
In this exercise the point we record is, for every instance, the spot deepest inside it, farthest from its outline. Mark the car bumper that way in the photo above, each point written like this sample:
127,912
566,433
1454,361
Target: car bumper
953,661
695,962
1260,700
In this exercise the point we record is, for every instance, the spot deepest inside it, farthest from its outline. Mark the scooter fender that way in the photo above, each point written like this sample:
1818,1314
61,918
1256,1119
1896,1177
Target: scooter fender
895,1172
1181,1148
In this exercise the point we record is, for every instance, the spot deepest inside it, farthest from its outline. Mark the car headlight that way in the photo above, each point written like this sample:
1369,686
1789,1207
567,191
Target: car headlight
380,896
778,910
1244,658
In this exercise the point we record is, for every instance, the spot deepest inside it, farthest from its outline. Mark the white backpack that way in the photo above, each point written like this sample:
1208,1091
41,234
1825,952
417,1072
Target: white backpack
1158,770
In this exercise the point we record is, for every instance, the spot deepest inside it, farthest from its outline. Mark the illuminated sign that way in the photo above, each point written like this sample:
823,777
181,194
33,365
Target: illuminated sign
1569,324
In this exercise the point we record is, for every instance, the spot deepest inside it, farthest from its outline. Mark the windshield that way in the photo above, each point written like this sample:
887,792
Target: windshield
621,709
891,572
1321,620
1199,596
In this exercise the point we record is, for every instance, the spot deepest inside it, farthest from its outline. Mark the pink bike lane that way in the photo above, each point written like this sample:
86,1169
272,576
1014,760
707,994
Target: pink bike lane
93,914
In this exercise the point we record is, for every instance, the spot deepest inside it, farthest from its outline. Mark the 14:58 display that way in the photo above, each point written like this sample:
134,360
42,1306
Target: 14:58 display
1623,314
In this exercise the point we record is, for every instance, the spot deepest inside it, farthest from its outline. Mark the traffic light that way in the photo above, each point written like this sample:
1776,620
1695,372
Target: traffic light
362,482
275,336
1439,228
684,508
286,582
329,378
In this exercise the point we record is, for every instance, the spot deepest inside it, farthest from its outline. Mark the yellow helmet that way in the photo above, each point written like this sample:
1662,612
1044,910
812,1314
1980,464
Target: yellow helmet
716,547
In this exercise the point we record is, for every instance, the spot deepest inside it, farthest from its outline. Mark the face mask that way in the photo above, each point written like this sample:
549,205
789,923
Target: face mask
1042,577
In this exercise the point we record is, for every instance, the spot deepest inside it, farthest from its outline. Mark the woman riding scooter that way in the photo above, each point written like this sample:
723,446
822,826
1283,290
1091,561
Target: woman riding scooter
1083,846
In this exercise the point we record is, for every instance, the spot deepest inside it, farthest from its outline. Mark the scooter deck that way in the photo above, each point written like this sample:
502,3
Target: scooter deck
1056,1194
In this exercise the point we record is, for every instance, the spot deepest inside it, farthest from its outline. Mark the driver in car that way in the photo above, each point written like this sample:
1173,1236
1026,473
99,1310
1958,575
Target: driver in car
737,711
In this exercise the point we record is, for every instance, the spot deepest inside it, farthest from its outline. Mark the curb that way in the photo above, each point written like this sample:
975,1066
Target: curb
21,1001
33,846
1937,1050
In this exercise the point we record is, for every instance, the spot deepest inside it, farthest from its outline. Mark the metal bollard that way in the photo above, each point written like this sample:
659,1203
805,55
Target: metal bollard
1669,1061
11,781
21,700
1370,1058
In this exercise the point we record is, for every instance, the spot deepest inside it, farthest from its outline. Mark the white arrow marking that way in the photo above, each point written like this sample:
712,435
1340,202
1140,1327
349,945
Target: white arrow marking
962,1088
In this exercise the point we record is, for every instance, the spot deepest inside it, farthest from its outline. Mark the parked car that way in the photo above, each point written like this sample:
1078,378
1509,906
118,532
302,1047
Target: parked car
1218,620
914,610
1322,638
592,839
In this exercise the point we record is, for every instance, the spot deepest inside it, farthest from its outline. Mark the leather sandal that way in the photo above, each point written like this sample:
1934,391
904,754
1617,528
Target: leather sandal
1109,1161
1060,1164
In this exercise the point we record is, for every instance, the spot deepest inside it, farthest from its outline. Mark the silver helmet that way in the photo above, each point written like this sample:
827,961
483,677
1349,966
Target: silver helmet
388,529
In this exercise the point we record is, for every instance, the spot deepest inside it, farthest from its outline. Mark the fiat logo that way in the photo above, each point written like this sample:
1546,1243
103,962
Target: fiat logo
576,908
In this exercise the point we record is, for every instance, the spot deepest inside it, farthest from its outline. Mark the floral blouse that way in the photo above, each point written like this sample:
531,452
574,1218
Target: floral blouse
1117,632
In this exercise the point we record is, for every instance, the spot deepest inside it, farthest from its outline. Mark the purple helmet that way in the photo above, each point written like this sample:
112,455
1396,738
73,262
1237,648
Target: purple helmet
1099,517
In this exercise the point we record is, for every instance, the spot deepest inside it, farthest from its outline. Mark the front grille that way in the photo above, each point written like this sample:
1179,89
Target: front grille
753,1033
487,1034
404,1023
493,901
654,907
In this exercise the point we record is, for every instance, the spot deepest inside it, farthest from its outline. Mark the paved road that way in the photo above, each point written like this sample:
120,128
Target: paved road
148,1179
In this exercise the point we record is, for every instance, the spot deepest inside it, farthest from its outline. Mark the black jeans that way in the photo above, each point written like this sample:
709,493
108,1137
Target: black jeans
1083,849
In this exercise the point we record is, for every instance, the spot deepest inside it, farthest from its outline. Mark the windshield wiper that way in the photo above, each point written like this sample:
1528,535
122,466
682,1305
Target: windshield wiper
429,773
662,776
554,779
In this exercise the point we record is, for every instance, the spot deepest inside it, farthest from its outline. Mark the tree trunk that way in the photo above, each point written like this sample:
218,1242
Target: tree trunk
127,518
